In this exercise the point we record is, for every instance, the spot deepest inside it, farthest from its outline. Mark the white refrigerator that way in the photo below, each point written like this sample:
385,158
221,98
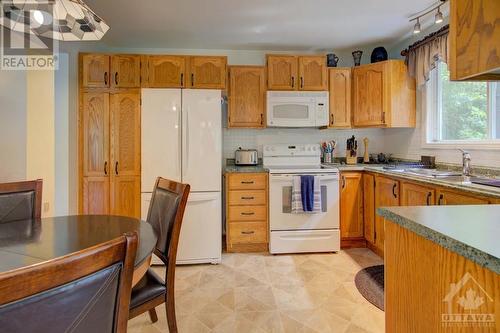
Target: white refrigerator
182,140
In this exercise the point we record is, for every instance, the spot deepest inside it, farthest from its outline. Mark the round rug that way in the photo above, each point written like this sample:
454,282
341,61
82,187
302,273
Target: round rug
370,283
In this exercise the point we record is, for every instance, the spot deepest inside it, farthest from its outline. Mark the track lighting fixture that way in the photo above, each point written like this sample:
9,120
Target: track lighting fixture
437,19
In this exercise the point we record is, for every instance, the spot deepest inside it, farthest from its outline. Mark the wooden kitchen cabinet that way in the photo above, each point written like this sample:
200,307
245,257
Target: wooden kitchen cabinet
474,40
247,94
207,72
340,97
110,153
125,71
291,72
164,71
417,195
247,207
447,197
281,72
351,207
369,207
95,70
386,195
383,95
313,74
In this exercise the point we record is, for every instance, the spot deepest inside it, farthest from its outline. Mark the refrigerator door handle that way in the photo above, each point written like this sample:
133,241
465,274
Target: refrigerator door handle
179,151
186,165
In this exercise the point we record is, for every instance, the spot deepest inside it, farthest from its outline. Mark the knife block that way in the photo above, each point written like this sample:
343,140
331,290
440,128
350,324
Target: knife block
350,159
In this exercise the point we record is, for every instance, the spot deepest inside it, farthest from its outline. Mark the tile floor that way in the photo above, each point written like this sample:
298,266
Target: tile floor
266,293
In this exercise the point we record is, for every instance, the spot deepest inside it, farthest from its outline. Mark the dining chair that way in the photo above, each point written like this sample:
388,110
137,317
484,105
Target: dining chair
165,214
21,200
86,291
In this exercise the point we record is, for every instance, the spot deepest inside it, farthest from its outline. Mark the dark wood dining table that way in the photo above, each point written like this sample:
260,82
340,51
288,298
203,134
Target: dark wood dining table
27,242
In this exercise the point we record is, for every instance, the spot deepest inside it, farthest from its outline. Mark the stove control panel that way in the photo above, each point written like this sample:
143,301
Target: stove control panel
284,150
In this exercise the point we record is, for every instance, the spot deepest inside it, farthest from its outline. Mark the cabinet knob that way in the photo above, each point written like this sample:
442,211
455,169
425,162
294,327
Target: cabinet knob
106,168
247,213
293,81
441,197
429,195
301,82
394,190
106,78
116,78
192,79
247,232
182,79
116,167
247,182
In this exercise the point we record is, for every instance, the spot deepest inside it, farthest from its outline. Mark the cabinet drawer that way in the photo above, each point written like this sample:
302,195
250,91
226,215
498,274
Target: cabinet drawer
247,197
247,213
247,181
248,232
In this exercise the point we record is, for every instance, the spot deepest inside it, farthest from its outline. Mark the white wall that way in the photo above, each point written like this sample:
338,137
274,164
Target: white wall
12,126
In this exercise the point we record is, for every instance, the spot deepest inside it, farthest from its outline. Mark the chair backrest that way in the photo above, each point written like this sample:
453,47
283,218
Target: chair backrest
20,200
165,214
86,291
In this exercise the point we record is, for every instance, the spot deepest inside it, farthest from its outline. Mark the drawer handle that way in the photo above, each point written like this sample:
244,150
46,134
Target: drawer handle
247,182
247,198
248,232
247,214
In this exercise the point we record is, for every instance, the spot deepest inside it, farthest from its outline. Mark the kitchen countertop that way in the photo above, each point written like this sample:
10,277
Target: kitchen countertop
470,231
456,185
230,167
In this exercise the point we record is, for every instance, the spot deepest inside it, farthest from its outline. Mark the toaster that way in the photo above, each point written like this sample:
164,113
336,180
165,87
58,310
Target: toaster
245,157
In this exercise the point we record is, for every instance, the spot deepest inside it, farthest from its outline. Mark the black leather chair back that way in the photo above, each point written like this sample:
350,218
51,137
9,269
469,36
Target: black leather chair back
85,305
20,201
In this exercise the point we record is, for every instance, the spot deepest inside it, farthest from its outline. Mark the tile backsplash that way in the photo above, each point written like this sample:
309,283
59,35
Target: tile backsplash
256,138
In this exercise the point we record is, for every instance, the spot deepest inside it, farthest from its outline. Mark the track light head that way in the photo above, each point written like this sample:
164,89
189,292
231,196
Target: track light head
439,16
416,28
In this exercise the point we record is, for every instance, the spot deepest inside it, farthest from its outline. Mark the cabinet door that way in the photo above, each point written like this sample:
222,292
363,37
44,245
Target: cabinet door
95,70
340,97
351,205
386,195
95,195
417,195
368,93
445,197
126,71
312,73
125,134
246,96
281,72
207,72
166,71
369,206
474,49
95,136
126,196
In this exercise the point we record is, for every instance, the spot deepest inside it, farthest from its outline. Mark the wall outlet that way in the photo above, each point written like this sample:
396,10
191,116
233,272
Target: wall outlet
46,207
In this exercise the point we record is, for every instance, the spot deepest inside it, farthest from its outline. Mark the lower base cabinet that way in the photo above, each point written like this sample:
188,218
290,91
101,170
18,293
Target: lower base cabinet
417,195
247,226
446,197
351,210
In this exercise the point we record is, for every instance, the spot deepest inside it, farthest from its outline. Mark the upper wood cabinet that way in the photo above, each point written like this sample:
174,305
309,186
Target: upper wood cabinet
95,130
247,92
383,95
290,72
95,70
126,71
446,197
126,134
340,97
207,72
281,72
474,40
313,74
164,71
351,205
417,195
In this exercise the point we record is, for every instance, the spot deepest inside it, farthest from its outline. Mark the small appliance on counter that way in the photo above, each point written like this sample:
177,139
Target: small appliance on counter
245,157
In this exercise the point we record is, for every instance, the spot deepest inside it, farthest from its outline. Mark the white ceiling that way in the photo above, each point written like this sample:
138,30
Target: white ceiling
256,24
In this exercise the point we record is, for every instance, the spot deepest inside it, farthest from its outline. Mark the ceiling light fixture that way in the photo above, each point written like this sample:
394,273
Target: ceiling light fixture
437,19
66,20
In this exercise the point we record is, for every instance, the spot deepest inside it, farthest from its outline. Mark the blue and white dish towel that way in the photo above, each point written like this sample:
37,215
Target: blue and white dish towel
306,195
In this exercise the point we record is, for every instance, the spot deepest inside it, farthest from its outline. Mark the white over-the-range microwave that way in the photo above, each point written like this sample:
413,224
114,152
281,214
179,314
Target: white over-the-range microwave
297,108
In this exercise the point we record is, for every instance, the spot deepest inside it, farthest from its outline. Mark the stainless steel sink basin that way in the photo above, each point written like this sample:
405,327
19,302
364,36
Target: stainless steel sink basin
433,173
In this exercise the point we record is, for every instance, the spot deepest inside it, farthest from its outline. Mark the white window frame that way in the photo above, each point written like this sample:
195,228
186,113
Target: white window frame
430,100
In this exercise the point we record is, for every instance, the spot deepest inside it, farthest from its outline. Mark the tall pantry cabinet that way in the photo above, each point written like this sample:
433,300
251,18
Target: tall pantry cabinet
109,134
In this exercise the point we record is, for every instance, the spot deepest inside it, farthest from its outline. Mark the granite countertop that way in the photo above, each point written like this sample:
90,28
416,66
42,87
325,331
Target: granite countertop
447,183
230,167
470,231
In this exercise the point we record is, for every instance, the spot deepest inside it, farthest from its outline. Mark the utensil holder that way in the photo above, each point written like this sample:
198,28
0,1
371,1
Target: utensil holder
327,157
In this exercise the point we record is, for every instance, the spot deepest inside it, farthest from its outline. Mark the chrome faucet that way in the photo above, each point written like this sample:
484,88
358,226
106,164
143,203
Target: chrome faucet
466,163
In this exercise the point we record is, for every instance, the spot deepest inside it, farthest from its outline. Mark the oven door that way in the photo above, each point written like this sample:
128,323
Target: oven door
280,200
291,112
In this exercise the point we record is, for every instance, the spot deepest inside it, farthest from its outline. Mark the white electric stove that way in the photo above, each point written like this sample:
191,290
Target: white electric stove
307,232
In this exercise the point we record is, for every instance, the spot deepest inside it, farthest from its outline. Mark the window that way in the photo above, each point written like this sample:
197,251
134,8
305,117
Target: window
462,112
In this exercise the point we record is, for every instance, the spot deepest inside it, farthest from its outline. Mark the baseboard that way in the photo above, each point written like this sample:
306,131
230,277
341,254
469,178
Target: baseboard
352,243
260,247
